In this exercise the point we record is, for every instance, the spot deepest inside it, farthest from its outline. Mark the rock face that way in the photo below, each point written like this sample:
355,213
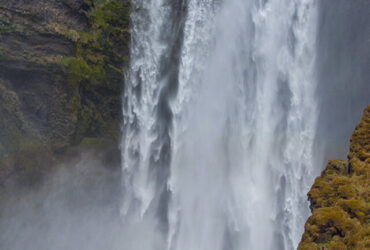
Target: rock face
340,198
61,67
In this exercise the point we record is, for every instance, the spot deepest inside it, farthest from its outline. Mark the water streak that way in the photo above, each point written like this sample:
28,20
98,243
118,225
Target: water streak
219,123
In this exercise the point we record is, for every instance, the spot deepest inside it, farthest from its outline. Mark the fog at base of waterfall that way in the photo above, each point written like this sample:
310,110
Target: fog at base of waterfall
231,109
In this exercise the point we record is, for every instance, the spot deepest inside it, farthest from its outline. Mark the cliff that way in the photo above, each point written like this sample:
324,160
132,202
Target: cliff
61,67
340,198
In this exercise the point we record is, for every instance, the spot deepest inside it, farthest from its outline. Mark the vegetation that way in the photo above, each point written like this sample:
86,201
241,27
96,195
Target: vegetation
99,50
61,82
97,66
340,199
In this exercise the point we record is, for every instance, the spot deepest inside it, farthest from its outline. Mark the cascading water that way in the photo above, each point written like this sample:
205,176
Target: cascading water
219,123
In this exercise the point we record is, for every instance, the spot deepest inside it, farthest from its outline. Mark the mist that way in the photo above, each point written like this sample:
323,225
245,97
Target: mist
230,112
76,207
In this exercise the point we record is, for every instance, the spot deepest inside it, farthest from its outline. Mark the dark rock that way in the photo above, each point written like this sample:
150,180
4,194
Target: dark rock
60,80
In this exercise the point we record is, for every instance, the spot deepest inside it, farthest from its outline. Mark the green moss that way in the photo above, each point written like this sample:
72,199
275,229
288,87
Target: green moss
79,71
103,45
82,55
340,199
100,55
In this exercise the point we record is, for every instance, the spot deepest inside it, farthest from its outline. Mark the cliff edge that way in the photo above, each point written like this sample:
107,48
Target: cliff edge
61,68
340,198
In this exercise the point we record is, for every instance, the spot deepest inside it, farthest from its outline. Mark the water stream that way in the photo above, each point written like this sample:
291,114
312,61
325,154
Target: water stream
219,124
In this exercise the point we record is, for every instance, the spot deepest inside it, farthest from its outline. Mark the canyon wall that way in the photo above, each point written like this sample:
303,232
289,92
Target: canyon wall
61,68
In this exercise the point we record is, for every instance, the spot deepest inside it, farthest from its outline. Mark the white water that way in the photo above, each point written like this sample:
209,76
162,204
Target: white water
219,123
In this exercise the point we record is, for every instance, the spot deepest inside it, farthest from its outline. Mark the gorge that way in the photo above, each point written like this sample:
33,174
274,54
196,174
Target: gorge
179,125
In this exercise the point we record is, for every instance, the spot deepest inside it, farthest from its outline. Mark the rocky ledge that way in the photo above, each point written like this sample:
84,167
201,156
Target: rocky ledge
340,199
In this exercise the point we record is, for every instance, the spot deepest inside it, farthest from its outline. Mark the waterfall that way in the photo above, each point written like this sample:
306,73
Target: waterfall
219,124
